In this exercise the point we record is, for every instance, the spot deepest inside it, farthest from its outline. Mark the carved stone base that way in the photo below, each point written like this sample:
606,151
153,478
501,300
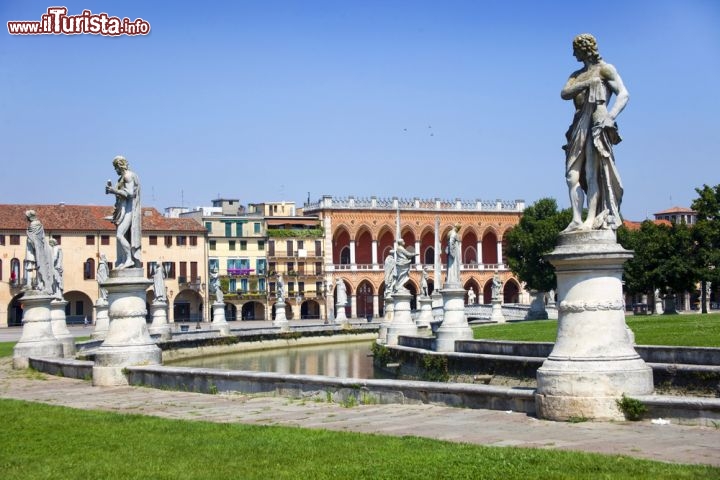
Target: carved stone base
454,325
340,315
497,313
593,361
219,322
402,322
37,339
426,315
59,327
160,325
128,340
102,320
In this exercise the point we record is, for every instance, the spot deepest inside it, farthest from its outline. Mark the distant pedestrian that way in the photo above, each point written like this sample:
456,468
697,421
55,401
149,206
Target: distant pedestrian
86,321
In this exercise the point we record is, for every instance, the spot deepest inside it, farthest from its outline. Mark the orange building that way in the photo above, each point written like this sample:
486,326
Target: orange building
360,232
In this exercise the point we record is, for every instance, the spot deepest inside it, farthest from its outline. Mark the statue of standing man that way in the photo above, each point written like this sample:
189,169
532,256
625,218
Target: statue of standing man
453,257
38,257
127,214
589,163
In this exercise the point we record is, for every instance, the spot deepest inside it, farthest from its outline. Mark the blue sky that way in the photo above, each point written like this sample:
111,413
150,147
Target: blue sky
270,100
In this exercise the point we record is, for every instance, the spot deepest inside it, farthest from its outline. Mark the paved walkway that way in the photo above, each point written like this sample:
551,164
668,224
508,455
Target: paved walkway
671,443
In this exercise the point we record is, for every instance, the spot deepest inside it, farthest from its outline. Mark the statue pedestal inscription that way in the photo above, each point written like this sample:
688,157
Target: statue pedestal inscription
102,320
219,322
37,339
160,325
59,327
128,341
402,322
593,362
454,325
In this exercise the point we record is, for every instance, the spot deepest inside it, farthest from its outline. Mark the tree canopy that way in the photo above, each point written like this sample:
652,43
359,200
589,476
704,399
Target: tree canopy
533,237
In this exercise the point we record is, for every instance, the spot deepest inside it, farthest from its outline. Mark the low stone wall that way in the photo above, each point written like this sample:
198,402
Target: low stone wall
348,391
63,367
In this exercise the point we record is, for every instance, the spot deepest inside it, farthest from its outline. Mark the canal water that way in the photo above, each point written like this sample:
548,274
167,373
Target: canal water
345,360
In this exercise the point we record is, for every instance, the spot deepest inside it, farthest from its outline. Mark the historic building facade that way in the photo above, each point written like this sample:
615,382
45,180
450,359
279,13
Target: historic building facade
359,234
84,233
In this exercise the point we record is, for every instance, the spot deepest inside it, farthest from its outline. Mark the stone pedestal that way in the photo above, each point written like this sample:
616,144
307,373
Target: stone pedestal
37,339
340,315
437,305
280,317
537,306
219,322
387,319
497,314
160,325
402,322
593,362
58,320
102,320
128,341
426,314
454,325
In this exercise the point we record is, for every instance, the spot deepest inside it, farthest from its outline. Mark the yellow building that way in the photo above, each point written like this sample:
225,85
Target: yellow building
84,233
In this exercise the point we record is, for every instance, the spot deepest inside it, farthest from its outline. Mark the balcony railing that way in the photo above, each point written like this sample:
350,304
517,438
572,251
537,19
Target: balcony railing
418,266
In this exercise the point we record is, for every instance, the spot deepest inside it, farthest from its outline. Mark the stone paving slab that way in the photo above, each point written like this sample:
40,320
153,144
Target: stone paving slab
671,443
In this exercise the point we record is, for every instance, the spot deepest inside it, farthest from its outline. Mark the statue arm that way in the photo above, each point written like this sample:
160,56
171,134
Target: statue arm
617,86
576,84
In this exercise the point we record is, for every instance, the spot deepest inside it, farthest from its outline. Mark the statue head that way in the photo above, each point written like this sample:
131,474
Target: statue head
401,242
52,242
120,163
585,47
31,215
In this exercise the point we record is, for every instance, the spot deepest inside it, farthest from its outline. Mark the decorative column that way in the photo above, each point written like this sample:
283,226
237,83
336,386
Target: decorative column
128,341
37,339
353,305
479,252
160,325
593,362
376,305
419,259
102,320
374,252
59,327
499,252
352,252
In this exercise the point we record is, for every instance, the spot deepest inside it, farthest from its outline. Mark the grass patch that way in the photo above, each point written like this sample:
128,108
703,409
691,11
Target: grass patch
6,349
43,441
690,330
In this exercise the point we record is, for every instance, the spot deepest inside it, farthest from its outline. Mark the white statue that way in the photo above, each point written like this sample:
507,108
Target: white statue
215,285
159,284
424,289
402,266
38,256
341,293
390,274
58,285
496,287
454,257
127,215
471,296
102,275
280,289
590,164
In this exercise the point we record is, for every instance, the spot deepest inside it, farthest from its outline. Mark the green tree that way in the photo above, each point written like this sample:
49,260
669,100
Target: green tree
533,237
706,237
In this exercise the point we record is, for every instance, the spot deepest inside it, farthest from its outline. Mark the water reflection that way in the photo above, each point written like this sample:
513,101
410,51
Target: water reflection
347,360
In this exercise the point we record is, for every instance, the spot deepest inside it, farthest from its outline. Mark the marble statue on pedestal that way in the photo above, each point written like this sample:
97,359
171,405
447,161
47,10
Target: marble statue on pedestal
57,257
590,163
471,297
215,285
159,284
102,276
496,287
453,257
127,214
424,289
341,293
38,257
402,266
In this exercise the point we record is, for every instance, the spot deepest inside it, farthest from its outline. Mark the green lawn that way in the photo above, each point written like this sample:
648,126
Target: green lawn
682,330
6,349
42,441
